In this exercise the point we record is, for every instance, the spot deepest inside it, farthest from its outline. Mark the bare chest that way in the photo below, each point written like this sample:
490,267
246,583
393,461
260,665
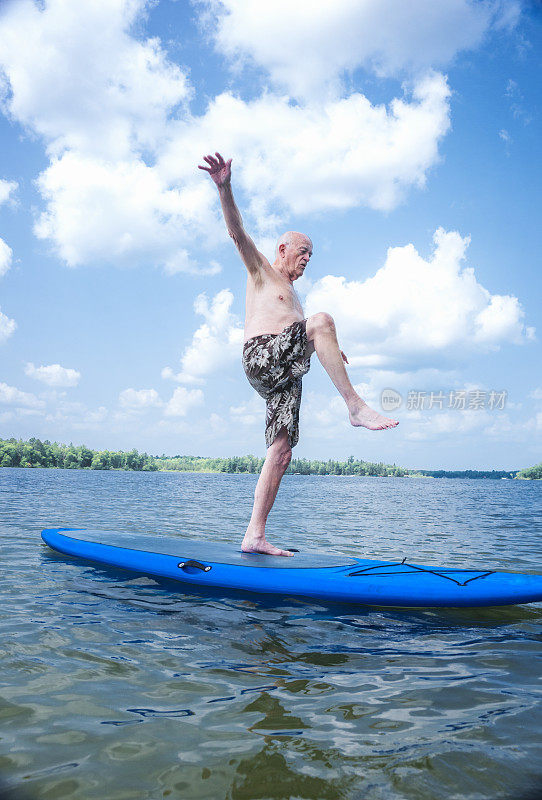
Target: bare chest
285,296
271,306
274,294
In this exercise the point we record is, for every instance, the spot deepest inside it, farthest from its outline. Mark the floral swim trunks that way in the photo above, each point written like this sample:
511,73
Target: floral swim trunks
274,365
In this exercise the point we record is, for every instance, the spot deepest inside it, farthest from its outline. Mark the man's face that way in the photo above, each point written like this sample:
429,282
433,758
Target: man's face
298,255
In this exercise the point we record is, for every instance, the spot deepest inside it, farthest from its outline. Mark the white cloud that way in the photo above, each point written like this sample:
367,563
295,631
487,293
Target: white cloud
413,307
7,327
485,424
53,374
182,401
251,412
501,320
122,186
6,189
20,413
98,416
82,81
139,398
505,136
420,426
307,46
74,415
180,377
101,98
122,212
10,395
6,255
215,344
217,423
339,154
516,100
171,426
180,261
324,416
51,408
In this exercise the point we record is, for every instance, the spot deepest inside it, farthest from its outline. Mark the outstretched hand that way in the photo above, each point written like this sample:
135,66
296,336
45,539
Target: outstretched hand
218,169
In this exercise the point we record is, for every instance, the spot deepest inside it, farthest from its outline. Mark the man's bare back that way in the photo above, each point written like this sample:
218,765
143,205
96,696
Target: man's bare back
273,311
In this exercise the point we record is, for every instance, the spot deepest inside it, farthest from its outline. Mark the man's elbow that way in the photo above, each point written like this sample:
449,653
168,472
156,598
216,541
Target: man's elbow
236,234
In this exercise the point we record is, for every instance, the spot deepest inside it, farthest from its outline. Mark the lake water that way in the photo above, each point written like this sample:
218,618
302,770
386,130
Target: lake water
115,686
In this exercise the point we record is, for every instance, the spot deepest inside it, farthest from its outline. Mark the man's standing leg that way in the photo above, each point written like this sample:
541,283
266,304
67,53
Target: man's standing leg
278,456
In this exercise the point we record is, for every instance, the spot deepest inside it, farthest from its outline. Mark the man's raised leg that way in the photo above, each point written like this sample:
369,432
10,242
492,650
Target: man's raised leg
279,455
322,338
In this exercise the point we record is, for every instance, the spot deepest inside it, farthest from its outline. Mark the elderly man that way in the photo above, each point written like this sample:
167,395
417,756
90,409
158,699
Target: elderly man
279,342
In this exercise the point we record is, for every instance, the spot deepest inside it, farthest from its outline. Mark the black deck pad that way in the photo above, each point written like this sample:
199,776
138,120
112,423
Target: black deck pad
209,551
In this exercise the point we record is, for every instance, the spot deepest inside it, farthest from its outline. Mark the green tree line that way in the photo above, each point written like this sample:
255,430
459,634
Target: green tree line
531,473
202,464
352,466
496,474
35,453
298,466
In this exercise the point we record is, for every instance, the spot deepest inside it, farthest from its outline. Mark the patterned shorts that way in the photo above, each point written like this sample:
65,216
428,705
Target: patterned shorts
274,365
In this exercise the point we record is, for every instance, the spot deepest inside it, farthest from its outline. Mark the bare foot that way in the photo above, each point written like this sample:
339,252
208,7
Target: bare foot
363,416
259,544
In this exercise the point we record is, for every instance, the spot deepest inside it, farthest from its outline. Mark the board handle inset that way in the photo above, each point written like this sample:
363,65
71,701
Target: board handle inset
191,566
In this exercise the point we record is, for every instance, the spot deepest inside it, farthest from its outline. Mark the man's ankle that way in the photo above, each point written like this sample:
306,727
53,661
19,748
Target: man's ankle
255,535
354,402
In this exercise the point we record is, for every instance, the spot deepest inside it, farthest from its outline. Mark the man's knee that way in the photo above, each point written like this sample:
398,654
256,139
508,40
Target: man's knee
322,321
280,451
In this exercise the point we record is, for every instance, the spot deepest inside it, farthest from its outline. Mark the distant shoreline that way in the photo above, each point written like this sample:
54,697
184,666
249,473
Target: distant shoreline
412,475
36,454
408,474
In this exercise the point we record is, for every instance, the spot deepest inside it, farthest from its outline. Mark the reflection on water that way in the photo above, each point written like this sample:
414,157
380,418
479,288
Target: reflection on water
125,682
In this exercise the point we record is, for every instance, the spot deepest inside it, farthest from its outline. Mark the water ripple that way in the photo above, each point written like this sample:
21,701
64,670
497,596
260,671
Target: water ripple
115,680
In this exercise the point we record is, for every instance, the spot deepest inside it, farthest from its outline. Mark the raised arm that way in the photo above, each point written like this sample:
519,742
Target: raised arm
220,172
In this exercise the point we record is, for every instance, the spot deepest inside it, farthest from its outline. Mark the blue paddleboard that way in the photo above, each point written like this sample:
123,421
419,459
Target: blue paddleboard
324,577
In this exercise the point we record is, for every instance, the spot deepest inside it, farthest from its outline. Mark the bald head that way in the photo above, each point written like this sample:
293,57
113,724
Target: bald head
292,254
291,238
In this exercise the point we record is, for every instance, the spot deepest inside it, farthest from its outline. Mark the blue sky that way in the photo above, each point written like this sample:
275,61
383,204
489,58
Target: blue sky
403,138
